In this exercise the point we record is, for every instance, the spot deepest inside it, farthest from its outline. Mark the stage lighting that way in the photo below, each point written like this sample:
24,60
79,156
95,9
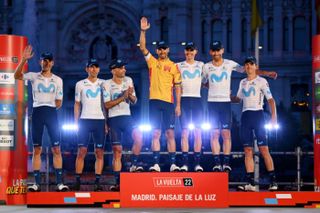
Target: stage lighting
145,127
191,126
205,126
70,127
271,126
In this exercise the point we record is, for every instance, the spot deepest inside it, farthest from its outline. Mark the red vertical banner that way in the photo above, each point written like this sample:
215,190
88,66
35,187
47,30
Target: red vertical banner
13,146
316,107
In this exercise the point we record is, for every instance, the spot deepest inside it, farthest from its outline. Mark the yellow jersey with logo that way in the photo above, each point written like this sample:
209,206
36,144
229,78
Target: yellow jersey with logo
163,75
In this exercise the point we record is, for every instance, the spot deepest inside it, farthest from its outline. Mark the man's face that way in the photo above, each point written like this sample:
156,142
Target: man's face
119,72
162,53
93,71
190,54
250,68
46,64
216,54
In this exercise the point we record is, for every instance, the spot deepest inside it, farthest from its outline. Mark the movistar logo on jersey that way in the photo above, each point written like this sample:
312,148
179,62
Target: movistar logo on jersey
188,75
106,94
216,78
92,94
115,95
50,89
248,93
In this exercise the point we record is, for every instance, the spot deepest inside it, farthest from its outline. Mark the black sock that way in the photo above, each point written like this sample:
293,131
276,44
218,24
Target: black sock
250,178
185,158
117,177
226,160
97,181
197,158
272,176
156,157
216,160
78,177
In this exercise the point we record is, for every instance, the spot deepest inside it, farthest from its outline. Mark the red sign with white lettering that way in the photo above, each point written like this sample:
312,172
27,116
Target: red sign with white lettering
174,190
6,93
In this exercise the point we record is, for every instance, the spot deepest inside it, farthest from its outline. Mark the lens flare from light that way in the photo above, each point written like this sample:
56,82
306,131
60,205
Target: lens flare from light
191,126
145,127
205,126
271,126
70,127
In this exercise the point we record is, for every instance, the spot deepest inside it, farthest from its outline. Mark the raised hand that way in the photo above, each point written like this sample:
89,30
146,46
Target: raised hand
273,75
27,53
125,94
144,24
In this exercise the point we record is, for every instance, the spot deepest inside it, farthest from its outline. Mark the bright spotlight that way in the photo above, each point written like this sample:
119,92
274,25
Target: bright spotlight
271,126
205,126
191,126
145,127
70,127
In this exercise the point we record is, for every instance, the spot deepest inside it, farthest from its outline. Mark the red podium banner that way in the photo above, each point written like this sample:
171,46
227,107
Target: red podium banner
13,147
206,190
316,108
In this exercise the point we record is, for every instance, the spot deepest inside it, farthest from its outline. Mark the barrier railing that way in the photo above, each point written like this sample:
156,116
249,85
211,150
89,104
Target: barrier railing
298,153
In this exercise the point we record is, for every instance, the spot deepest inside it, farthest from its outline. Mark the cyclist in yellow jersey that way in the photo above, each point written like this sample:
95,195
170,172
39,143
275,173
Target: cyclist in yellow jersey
164,75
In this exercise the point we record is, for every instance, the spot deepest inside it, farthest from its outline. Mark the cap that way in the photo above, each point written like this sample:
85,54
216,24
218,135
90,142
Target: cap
46,56
216,45
190,46
250,59
92,61
162,45
116,63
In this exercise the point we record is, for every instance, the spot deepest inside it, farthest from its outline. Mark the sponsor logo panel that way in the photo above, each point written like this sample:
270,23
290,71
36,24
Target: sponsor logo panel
7,78
6,93
6,141
6,125
7,109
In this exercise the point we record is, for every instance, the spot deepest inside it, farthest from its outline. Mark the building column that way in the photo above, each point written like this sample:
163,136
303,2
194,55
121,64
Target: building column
278,30
236,27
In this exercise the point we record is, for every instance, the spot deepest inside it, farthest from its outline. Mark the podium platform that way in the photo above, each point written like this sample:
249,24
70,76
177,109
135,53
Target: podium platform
174,190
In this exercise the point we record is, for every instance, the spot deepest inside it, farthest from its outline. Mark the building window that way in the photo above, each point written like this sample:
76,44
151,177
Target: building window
216,30
164,29
244,35
204,34
299,33
299,97
270,34
229,36
285,35
103,48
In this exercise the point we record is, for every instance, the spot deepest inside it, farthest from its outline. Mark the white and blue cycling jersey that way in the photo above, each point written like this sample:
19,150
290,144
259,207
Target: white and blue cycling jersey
45,90
253,92
219,78
191,75
112,91
90,95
